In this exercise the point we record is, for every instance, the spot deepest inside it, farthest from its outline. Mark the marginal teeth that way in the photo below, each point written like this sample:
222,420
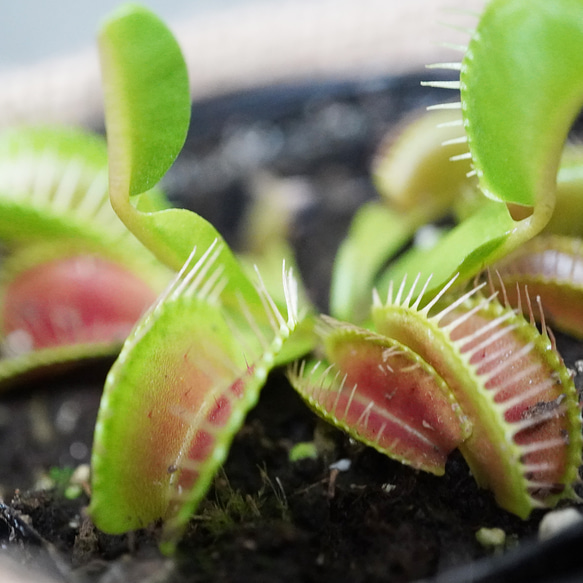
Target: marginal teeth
455,47
442,84
447,66
465,156
464,29
452,105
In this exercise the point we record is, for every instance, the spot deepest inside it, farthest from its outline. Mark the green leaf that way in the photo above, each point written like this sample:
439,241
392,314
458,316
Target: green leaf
521,88
466,249
147,112
147,100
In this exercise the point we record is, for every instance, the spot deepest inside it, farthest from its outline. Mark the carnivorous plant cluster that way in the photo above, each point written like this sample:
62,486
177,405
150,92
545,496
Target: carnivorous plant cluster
417,359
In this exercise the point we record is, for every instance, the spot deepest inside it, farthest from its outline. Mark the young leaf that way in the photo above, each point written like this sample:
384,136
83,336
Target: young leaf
147,99
147,112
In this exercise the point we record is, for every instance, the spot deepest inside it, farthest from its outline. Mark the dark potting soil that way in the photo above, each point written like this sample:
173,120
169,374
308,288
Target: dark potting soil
268,519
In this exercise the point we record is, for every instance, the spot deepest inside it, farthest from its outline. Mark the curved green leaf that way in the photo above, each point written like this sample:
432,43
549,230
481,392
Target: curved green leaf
466,250
147,100
147,110
521,88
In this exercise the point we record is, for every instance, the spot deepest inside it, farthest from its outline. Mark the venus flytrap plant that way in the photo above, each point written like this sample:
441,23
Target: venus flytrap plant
435,372
504,375
520,52
511,383
74,280
184,381
430,377
194,365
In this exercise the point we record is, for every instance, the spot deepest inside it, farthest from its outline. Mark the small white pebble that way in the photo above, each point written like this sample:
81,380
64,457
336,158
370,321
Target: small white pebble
556,521
75,522
491,537
342,465
81,475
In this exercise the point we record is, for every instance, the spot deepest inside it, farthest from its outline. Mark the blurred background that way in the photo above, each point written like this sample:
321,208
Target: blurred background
31,30
49,68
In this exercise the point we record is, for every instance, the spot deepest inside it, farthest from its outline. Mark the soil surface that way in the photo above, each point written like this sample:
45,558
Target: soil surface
266,518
